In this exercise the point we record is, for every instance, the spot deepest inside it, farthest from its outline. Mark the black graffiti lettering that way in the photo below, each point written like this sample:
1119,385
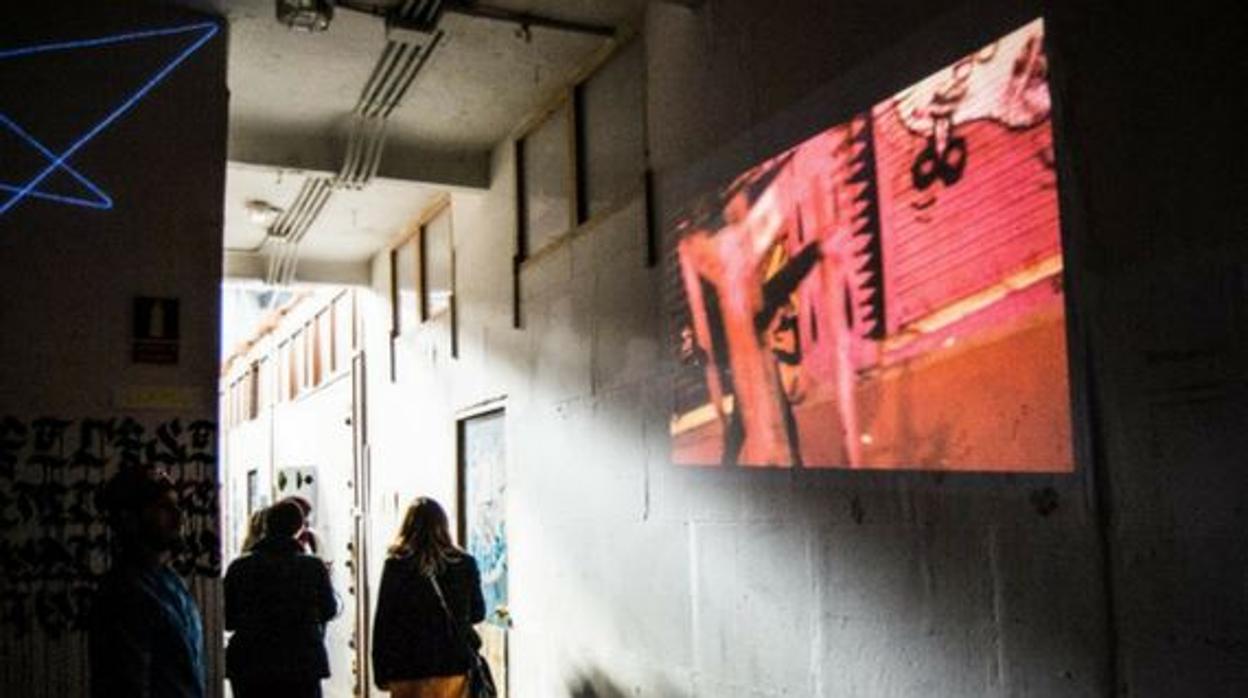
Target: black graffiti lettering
203,435
128,441
13,436
56,546
49,433
167,449
94,435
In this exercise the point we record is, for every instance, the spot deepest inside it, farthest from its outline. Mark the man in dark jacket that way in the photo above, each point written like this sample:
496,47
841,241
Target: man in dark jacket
277,601
146,638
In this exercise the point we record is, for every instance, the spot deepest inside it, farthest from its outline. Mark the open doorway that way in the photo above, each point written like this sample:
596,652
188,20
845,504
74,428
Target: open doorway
292,426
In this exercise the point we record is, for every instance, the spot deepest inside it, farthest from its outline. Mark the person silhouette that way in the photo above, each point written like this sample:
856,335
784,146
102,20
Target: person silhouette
430,595
145,636
255,530
278,599
307,537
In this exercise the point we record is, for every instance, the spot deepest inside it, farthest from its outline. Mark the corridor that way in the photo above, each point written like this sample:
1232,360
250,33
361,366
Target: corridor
815,349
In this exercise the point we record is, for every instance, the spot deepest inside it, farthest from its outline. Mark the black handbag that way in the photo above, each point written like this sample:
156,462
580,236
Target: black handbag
480,678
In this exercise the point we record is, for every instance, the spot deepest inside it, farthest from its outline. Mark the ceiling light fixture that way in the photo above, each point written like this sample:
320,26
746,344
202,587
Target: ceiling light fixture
305,15
261,212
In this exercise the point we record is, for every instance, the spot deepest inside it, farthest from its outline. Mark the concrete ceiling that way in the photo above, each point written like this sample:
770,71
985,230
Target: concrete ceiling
292,92
352,226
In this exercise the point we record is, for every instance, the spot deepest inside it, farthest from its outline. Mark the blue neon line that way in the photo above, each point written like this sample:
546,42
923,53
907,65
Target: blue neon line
116,113
104,200
88,203
103,41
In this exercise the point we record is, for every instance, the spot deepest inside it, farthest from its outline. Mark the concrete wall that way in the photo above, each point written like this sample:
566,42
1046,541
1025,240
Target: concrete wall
630,576
1165,271
633,577
73,403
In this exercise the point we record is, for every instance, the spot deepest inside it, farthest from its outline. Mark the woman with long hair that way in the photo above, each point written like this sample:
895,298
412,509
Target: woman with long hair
255,530
418,651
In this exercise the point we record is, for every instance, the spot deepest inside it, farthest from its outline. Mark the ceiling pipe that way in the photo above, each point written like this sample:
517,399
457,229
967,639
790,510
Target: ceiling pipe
526,21
470,8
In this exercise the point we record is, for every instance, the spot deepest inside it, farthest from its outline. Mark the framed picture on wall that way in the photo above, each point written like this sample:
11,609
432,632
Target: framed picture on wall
482,495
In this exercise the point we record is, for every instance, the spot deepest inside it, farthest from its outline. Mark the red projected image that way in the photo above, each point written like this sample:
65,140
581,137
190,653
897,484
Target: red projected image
888,293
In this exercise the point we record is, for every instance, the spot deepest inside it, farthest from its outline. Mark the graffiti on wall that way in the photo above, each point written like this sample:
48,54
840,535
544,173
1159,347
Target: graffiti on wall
54,542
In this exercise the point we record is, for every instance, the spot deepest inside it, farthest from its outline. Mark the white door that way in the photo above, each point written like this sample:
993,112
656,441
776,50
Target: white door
315,439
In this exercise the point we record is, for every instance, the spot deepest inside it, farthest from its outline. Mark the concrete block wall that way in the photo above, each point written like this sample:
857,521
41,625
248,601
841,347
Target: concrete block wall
630,576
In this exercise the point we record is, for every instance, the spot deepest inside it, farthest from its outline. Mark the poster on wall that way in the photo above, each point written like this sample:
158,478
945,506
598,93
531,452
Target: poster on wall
483,477
887,293
483,528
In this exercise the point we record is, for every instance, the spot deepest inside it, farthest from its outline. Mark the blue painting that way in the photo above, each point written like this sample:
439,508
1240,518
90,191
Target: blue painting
484,473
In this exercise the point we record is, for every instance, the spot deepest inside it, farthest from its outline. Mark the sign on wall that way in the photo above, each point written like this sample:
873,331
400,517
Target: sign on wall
298,481
156,331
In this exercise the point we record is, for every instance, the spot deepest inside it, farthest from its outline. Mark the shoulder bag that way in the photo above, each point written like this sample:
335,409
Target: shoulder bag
480,679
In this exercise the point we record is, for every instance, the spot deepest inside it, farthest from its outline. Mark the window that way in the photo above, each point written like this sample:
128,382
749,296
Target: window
296,362
344,330
282,382
254,501
544,163
308,346
586,156
235,403
583,160
403,287
318,350
610,123
253,391
264,396
334,330
437,257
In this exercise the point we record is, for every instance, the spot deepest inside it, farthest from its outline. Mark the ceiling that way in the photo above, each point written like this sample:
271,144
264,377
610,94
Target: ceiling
351,228
292,94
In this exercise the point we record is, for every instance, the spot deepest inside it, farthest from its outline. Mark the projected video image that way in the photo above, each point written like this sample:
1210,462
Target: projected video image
887,293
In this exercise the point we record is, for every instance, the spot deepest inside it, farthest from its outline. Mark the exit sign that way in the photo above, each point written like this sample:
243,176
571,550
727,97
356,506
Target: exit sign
155,336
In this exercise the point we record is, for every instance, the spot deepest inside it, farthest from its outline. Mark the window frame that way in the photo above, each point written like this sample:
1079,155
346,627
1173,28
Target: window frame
564,104
571,100
443,208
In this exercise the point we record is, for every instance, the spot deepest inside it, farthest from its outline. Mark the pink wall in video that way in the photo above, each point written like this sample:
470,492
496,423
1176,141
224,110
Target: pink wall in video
886,294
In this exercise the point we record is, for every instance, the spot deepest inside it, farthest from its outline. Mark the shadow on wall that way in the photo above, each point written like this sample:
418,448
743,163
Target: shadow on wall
593,682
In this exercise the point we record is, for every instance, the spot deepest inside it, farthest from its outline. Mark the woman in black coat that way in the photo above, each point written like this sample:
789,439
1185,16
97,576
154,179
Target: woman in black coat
417,651
277,601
